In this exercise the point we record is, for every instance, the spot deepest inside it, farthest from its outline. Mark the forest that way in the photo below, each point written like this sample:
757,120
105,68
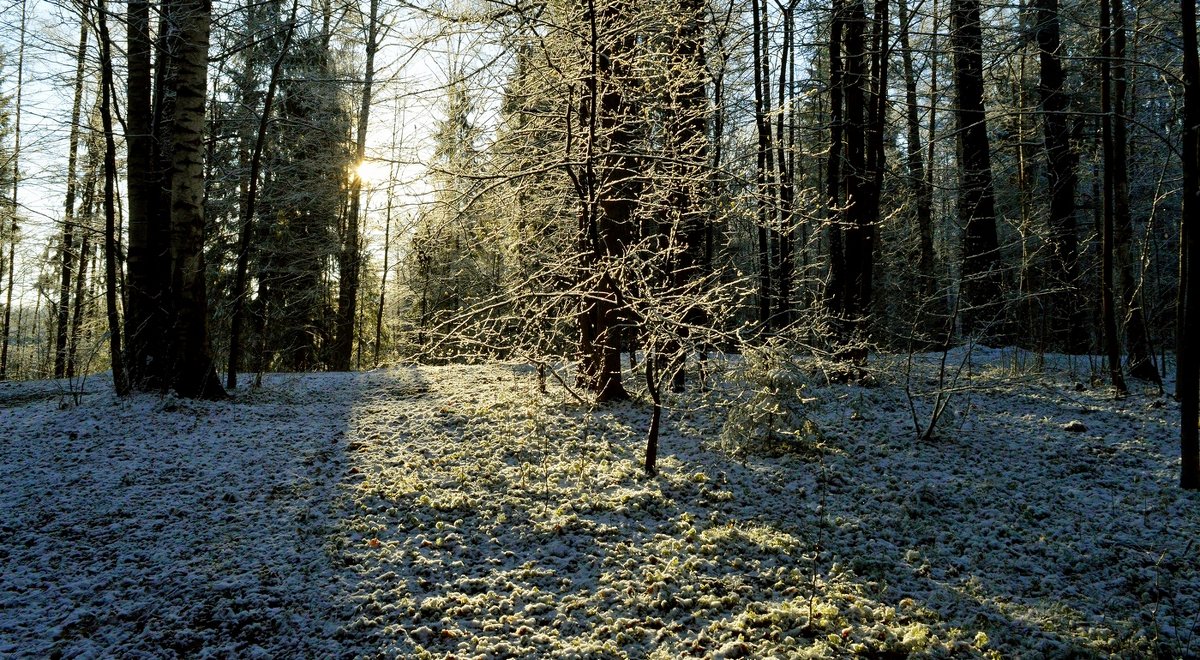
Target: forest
762,319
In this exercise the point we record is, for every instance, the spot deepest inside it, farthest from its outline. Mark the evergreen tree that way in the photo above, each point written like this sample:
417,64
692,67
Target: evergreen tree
304,191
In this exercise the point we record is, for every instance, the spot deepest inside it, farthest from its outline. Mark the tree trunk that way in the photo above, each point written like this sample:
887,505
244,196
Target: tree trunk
868,214
16,180
939,303
609,193
1068,322
116,356
348,259
1187,377
922,189
653,386
167,320
860,102
1112,342
383,273
981,278
146,279
855,177
79,308
62,326
785,168
767,306
716,186
193,373
686,120
1139,358
835,295
95,163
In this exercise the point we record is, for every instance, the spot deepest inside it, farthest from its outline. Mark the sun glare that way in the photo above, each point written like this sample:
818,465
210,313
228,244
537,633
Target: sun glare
371,171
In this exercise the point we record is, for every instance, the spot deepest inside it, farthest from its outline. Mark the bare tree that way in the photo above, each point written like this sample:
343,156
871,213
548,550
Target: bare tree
67,248
120,377
15,182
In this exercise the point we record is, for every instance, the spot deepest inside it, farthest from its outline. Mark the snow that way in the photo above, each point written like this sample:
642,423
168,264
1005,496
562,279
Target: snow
455,511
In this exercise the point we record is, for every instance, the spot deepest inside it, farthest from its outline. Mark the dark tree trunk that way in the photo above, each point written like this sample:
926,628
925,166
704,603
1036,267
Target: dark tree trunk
915,165
146,279
348,259
860,100
166,323
1068,321
120,380
193,373
715,183
90,182
981,277
1112,342
868,211
767,306
940,308
79,308
1187,379
383,277
653,384
1138,355
15,162
834,291
687,126
785,168
855,177
609,189
62,326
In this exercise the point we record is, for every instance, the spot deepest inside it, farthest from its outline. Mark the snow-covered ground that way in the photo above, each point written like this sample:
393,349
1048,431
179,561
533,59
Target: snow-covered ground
455,511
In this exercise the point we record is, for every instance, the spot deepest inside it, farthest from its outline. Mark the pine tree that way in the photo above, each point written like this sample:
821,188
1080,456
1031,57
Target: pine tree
68,247
303,194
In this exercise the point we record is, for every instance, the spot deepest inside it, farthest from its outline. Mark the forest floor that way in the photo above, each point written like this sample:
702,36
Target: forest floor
456,511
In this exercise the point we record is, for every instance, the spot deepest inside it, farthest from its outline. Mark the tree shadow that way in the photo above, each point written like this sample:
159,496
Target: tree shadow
155,526
1063,543
441,510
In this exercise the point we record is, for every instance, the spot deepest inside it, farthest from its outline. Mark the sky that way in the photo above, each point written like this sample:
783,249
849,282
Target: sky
44,117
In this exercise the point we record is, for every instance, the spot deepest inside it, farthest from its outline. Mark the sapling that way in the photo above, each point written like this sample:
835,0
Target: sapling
946,382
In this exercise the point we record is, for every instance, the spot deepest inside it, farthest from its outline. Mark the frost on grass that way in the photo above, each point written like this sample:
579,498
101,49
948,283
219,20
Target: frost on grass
453,511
